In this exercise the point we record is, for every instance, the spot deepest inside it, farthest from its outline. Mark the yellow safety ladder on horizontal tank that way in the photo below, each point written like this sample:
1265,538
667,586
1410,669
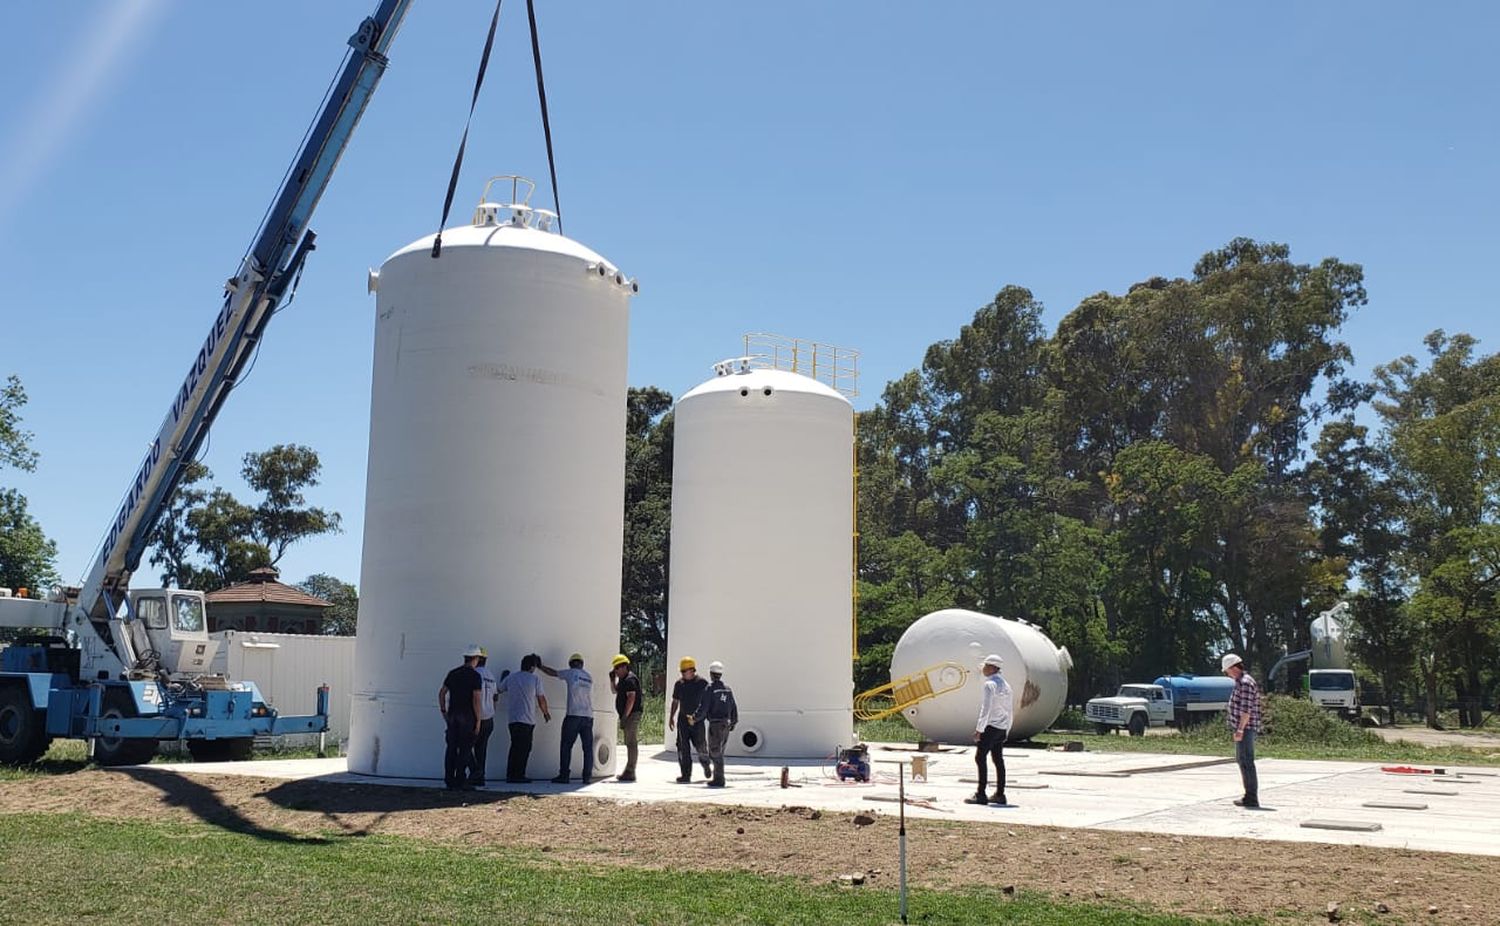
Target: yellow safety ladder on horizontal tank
901,693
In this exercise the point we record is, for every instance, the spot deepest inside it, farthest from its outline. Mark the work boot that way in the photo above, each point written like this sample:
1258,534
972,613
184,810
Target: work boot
561,779
977,799
684,779
626,778
708,770
998,798
1249,803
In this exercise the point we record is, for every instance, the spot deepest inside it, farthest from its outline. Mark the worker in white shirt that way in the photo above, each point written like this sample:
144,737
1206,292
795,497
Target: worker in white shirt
488,696
578,722
525,699
991,730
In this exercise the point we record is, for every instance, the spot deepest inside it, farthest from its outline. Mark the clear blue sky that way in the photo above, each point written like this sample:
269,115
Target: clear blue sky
863,174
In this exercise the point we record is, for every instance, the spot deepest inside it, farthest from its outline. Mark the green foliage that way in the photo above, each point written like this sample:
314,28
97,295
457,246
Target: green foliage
343,617
27,558
648,522
15,444
243,873
207,539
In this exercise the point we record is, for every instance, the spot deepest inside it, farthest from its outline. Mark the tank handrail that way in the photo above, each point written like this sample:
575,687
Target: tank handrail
900,693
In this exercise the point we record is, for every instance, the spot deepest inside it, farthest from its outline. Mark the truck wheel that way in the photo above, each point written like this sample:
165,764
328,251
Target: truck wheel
118,750
1102,729
1137,725
235,749
23,729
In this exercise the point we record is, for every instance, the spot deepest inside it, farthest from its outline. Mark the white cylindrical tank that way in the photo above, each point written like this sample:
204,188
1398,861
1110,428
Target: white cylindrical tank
1329,650
1036,669
495,500
761,561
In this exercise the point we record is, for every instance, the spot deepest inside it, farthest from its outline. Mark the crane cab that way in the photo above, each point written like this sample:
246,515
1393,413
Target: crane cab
173,626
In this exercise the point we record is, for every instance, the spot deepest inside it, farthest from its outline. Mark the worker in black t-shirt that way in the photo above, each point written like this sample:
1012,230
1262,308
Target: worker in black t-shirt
459,703
684,717
627,689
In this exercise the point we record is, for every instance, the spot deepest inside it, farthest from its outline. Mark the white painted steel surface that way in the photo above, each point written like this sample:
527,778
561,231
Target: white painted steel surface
495,499
762,533
288,668
1036,669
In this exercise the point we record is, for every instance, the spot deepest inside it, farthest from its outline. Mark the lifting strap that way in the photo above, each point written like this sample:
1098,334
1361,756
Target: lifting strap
458,162
541,93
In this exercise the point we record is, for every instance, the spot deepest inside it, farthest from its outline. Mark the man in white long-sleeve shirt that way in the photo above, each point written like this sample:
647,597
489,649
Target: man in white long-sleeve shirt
991,730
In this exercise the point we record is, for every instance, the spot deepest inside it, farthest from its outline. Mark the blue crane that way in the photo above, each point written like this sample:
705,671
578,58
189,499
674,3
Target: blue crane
127,668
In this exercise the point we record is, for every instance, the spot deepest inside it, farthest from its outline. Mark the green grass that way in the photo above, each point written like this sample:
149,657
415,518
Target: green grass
130,872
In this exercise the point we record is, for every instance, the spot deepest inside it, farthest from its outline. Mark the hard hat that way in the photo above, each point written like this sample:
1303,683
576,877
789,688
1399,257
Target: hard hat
716,667
576,657
993,659
620,660
1230,659
474,650
685,663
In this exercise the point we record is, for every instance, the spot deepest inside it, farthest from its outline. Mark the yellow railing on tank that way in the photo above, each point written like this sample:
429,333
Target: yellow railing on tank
901,693
830,365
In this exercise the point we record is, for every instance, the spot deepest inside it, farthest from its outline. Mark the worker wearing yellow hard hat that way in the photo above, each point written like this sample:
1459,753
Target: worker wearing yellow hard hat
628,704
685,717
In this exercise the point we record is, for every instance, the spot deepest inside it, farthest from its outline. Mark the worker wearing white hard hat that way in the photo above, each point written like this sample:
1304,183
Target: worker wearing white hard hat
722,713
991,730
489,696
458,703
1244,724
578,719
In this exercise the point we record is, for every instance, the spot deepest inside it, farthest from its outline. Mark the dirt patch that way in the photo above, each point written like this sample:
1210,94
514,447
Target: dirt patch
1187,874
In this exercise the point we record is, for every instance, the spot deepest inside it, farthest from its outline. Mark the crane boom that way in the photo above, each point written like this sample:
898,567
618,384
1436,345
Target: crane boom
282,243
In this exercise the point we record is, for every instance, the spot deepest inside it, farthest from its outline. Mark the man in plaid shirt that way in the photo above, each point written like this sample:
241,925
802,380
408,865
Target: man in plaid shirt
1244,723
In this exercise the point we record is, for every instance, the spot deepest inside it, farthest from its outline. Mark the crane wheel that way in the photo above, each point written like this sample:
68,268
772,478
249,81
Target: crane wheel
119,750
23,729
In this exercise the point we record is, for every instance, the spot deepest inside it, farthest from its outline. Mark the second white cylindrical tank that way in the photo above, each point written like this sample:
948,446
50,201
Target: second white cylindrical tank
951,644
495,497
761,565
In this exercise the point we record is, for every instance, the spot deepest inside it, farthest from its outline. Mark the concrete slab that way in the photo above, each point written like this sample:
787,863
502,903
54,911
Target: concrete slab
1162,794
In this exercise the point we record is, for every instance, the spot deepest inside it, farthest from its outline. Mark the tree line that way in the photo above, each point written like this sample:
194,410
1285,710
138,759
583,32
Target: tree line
1173,472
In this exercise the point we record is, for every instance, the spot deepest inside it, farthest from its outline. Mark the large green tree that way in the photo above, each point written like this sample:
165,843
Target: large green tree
343,617
1441,447
207,538
28,559
648,522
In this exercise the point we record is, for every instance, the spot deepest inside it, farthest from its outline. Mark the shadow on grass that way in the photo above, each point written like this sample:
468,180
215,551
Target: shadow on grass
205,804
335,800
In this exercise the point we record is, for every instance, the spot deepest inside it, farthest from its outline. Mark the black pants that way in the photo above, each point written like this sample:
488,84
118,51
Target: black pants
692,735
458,759
520,751
991,744
482,751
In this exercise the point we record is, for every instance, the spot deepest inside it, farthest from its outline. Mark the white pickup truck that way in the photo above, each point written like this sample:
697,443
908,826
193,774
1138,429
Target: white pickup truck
1177,700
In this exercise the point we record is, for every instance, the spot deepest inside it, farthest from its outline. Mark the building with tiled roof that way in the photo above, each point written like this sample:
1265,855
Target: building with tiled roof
262,603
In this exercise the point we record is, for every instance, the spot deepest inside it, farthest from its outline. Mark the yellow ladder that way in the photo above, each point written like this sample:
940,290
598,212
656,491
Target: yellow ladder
903,692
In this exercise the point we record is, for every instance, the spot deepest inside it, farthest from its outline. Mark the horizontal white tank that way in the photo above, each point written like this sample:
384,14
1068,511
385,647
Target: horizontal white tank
495,500
761,561
1036,669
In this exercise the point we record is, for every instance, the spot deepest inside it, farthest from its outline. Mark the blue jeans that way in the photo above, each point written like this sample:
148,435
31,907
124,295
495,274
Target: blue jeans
581,728
1244,754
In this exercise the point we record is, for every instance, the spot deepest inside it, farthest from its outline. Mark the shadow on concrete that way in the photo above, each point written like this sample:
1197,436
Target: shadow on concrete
202,802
